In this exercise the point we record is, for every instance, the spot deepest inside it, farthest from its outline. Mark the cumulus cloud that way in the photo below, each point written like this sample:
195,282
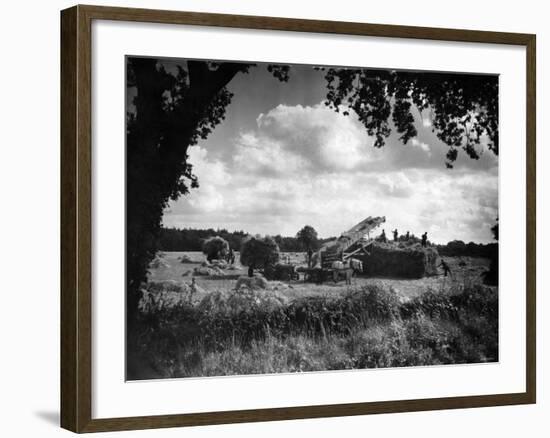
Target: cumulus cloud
308,164
212,174
310,139
421,145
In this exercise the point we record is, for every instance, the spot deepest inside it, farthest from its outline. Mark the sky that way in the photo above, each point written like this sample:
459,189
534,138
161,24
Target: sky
282,160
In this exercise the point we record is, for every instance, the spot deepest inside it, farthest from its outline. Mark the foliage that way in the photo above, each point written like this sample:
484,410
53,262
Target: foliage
247,331
259,252
458,248
494,230
171,112
188,239
464,108
491,276
191,239
308,238
215,248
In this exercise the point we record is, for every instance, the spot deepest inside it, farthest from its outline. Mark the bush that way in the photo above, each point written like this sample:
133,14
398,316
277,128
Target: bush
259,252
215,248
252,331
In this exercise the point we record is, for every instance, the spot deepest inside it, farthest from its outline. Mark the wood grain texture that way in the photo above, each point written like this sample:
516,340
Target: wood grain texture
76,219
531,213
69,321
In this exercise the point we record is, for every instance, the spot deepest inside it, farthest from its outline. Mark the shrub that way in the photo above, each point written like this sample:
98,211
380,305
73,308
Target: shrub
250,331
257,252
215,248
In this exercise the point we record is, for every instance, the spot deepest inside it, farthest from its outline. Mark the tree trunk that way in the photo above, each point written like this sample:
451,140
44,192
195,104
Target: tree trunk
157,144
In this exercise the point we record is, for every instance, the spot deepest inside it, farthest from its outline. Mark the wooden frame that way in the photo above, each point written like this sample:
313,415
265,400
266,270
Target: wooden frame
76,173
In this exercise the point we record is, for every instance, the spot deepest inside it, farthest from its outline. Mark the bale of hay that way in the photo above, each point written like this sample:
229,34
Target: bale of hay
185,259
208,271
390,260
256,282
165,285
222,264
279,285
159,263
217,270
161,295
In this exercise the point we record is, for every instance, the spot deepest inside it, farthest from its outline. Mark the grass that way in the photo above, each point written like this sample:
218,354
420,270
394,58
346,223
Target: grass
256,332
172,269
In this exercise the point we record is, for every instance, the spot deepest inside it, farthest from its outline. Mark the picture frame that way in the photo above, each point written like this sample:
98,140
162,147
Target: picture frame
77,238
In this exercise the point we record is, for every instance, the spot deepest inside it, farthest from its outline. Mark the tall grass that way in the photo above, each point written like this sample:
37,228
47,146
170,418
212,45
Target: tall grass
255,332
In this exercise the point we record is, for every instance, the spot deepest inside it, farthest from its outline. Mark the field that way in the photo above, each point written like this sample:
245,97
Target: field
172,269
207,328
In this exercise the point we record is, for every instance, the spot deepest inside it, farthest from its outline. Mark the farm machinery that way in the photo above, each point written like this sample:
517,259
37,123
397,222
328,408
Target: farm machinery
335,260
282,272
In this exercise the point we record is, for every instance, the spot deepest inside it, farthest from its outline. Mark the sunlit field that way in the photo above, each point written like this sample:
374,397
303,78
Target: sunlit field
207,327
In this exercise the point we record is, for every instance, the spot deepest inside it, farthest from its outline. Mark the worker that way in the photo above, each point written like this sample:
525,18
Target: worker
407,236
383,236
425,239
309,256
395,235
446,268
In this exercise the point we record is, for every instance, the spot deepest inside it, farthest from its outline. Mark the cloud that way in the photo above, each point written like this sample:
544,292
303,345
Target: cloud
215,170
311,139
421,145
265,156
396,184
308,164
316,140
426,122
212,175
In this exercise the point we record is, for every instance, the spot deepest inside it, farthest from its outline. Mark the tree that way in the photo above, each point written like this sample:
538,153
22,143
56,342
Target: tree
494,230
171,112
491,276
215,248
307,236
257,252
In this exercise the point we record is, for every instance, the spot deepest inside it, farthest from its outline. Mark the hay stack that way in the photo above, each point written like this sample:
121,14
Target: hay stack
185,259
256,282
212,271
390,260
222,264
159,263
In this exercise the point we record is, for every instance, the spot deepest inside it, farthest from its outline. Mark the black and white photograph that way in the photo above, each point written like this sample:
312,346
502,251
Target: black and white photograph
308,218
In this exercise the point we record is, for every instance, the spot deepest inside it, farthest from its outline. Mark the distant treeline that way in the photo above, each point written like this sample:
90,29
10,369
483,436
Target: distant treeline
187,239
458,248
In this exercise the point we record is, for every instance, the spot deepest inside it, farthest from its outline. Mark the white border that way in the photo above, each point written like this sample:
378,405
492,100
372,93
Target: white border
112,397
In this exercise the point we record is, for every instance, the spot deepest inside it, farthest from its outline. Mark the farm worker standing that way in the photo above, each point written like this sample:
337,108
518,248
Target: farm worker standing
446,269
383,236
309,255
425,238
395,235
